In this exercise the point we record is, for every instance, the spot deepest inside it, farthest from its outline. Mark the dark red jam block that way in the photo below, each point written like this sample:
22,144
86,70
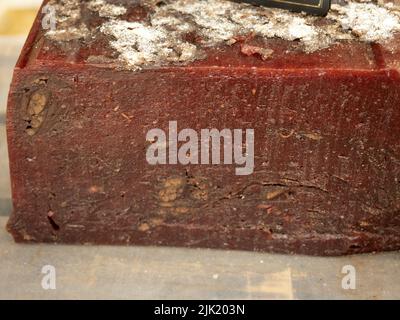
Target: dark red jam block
113,103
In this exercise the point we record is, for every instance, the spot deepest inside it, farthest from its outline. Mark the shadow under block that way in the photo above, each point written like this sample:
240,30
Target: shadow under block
327,147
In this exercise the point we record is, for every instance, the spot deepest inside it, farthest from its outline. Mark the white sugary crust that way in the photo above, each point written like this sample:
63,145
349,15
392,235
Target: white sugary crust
161,39
69,25
106,9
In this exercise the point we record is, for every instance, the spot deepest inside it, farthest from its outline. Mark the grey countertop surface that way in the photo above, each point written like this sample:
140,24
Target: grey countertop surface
85,272
105,272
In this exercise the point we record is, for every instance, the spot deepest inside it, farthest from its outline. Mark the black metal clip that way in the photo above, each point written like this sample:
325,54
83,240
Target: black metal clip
317,7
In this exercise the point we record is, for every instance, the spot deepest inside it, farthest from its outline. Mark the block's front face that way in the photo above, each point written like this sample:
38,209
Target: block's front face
326,150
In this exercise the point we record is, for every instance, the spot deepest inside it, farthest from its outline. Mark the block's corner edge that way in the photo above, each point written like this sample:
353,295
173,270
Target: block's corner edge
31,40
10,226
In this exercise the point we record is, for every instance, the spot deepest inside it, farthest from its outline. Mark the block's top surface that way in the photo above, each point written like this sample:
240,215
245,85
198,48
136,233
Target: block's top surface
141,34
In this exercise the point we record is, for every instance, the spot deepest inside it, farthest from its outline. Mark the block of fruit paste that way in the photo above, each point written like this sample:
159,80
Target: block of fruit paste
208,123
